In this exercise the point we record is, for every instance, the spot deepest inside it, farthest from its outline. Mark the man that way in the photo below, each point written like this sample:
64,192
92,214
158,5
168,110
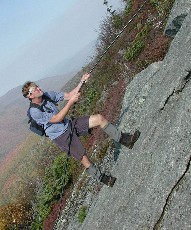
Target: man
58,128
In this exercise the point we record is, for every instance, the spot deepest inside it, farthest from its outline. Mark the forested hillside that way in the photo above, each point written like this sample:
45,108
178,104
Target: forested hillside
32,179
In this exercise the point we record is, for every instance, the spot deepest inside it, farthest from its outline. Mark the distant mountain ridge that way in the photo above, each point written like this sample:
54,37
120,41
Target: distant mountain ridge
65,67
49,83
81,58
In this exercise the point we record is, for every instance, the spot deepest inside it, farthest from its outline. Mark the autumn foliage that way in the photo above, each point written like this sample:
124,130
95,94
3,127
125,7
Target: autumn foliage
12,215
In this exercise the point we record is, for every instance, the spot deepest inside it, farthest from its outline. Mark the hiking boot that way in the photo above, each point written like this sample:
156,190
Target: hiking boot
108,180
129,140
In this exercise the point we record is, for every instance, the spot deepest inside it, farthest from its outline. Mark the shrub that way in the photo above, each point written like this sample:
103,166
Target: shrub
82,214
54,180
138,44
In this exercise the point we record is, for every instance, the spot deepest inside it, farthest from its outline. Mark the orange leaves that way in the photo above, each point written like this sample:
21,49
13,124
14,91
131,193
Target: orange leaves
14,215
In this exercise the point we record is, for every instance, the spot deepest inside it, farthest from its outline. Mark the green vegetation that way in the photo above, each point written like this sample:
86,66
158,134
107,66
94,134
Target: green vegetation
54,180
91,97
138,44
82,212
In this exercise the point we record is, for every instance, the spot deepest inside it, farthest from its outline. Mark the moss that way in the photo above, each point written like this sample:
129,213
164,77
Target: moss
82,212
138,44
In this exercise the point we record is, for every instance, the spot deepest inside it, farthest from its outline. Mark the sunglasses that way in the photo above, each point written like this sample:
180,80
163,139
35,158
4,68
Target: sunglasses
33,89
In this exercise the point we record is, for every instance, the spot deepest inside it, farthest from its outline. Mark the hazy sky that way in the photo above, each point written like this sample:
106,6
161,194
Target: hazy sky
37,35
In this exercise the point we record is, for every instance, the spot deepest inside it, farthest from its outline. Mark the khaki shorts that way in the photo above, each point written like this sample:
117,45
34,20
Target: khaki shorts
69,141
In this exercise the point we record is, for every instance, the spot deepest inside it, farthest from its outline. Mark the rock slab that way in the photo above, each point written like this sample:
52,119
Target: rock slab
153,187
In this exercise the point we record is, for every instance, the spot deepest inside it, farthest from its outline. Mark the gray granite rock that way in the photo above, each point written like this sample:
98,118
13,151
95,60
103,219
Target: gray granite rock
153,188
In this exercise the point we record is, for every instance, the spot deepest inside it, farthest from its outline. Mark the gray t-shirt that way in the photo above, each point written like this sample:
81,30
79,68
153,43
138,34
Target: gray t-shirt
53,130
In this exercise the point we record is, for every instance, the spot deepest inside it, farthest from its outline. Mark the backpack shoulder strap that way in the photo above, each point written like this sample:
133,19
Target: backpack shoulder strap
33,105
47,98
40,107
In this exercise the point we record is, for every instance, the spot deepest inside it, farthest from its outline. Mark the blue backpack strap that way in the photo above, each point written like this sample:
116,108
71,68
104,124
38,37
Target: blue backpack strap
40,107
33,105
47,98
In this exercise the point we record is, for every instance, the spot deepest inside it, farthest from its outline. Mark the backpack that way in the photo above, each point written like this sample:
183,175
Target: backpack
34,127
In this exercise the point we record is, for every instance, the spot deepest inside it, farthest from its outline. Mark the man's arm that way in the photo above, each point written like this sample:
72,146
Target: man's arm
84,79
63,112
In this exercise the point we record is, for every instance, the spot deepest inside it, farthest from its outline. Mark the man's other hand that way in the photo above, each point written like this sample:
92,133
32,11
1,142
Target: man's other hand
75,98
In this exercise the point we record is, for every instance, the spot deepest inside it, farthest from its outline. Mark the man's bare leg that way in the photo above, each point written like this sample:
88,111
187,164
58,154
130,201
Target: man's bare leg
125,139
95,172
86,162
91,168
97,120
115,134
